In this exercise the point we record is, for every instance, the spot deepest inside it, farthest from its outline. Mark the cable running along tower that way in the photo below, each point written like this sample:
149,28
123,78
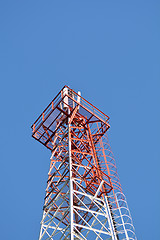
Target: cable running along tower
84,198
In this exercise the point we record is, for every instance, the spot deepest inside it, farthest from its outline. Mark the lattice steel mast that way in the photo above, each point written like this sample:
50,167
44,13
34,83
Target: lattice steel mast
84,198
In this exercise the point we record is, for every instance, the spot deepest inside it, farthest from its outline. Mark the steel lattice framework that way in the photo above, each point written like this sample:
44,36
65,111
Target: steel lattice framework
84,198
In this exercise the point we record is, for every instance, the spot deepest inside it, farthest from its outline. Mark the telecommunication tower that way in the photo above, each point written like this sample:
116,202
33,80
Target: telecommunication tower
84,198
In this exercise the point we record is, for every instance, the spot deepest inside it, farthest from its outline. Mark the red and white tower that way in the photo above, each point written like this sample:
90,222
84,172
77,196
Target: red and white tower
84,198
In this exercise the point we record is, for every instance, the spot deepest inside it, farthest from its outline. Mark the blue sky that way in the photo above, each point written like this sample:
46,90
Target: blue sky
110,51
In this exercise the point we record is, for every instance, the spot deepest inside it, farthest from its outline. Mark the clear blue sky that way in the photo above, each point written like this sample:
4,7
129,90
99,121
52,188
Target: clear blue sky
110,50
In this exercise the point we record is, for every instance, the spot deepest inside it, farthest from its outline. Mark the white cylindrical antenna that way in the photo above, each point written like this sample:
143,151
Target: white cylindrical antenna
65,100
78,97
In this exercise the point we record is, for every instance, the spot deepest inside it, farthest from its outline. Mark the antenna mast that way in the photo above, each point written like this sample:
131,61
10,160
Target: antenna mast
84,198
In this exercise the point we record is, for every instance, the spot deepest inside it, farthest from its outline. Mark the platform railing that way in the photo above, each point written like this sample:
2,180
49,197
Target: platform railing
71,94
